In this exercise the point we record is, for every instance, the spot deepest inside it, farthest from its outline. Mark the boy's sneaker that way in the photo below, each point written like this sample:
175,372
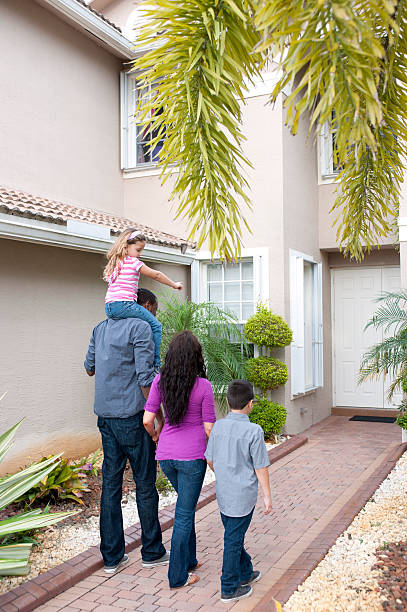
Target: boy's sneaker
161,561
254,578
241,592
112,569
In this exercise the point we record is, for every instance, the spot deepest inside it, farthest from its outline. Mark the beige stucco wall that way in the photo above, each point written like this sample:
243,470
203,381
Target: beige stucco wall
327,228
51,299
59,119
300,198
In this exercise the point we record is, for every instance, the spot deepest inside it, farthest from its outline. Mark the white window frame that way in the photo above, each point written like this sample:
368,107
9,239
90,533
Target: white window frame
297,323
327,173
128,81
260,259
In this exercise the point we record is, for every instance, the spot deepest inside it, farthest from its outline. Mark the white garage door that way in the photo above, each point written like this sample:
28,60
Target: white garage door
354,292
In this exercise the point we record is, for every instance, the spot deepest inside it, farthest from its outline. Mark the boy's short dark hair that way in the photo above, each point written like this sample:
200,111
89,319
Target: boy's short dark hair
145,296
239,394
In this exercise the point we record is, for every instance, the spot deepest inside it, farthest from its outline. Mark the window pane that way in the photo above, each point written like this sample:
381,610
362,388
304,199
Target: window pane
234,307
232,272
232,292
247,311
214,272
247,270
215,292
247,292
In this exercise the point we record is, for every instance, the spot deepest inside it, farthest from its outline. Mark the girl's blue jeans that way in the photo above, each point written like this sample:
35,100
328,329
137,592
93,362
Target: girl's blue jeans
132,310
186,477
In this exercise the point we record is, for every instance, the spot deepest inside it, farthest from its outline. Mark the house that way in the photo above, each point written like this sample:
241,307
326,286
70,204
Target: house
61,206
291,259
74,170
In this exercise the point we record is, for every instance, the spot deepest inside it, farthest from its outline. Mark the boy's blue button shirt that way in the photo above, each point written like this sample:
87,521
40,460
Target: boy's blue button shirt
121,353
236,448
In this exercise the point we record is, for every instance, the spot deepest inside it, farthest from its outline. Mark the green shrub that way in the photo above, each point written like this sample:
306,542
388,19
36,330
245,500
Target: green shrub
267,329
402,420
269,415
162,483
266,373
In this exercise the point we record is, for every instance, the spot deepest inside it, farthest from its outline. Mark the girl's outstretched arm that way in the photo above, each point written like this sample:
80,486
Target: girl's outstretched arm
159,277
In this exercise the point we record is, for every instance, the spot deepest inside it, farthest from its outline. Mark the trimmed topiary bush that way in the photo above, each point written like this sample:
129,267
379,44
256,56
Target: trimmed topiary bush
269,415
266,373
267,329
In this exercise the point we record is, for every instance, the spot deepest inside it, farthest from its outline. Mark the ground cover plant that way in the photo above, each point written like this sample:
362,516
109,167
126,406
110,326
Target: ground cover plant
14,557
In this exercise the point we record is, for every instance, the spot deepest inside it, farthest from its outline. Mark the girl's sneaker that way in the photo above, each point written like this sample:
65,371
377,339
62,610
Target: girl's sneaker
241,592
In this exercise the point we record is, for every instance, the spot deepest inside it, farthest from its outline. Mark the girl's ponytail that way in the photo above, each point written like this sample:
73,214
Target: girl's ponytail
118,252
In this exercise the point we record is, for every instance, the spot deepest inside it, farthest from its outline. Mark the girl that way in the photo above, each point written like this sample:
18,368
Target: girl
187,397
122,272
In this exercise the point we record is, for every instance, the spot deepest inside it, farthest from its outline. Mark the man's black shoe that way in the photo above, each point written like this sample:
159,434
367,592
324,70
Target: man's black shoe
254,578
240,593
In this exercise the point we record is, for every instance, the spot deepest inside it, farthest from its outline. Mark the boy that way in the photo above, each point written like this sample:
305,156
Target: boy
237,454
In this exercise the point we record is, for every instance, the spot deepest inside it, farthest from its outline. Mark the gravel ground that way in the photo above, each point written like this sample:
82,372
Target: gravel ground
71,537
344,580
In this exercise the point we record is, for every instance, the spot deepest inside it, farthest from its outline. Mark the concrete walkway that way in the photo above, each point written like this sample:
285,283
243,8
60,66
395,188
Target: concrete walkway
310,487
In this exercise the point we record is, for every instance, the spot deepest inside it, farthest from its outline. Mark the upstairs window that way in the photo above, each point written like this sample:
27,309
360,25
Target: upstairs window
136,138
328,166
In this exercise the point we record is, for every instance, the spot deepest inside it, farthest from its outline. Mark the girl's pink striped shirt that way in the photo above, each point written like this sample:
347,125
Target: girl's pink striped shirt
123,282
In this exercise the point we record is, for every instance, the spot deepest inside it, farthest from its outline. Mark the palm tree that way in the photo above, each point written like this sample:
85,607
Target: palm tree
390,355
343,61
223,344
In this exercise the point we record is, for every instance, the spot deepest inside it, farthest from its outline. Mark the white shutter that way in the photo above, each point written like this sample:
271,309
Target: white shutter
297,323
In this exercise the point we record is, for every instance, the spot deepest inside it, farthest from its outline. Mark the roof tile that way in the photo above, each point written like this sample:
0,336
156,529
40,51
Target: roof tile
34,207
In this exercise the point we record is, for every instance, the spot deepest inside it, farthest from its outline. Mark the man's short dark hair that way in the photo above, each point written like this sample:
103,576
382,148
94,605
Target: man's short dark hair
239,394
145,296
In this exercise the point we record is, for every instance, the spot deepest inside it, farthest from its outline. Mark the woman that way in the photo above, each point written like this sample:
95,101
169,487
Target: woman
187,397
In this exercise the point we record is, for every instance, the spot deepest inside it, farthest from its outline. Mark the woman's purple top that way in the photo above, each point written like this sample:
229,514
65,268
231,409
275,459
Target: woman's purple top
186,441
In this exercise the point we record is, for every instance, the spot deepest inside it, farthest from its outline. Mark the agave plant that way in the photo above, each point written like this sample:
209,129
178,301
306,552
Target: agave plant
14,557
388,357
224,346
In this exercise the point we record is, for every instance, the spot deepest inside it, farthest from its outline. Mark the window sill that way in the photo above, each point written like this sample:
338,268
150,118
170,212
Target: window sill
129,173
328,179
305,393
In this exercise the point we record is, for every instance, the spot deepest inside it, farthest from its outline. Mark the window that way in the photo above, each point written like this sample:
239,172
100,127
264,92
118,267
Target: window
328,167
306,323
232,287
136,140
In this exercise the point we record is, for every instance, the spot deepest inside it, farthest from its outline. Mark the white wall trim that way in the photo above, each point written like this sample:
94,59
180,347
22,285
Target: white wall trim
402,223
91,23
43,232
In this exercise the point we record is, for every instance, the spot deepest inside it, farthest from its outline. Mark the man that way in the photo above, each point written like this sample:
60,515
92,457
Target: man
120,355
147,298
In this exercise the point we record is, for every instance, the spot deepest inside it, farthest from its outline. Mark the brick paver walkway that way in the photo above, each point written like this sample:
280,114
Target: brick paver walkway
309,486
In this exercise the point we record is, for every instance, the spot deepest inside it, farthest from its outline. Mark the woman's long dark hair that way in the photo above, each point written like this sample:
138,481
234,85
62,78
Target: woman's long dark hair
183,363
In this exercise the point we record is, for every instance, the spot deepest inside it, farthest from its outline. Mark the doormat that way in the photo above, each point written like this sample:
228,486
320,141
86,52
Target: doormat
373,419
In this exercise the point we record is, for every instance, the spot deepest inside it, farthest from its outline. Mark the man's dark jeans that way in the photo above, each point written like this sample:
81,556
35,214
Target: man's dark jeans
186,477
124,439
237,566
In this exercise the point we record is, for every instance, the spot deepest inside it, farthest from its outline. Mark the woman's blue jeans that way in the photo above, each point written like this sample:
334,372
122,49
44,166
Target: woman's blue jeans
186,477
237,565
128,310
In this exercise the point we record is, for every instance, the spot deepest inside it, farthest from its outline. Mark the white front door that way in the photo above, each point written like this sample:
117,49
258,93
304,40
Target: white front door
353,303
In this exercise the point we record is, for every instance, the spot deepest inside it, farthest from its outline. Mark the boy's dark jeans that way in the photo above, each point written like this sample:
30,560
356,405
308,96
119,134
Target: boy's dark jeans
124,439
237,566
186,477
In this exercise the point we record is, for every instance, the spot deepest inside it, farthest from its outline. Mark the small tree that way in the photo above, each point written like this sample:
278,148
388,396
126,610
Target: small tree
268,331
